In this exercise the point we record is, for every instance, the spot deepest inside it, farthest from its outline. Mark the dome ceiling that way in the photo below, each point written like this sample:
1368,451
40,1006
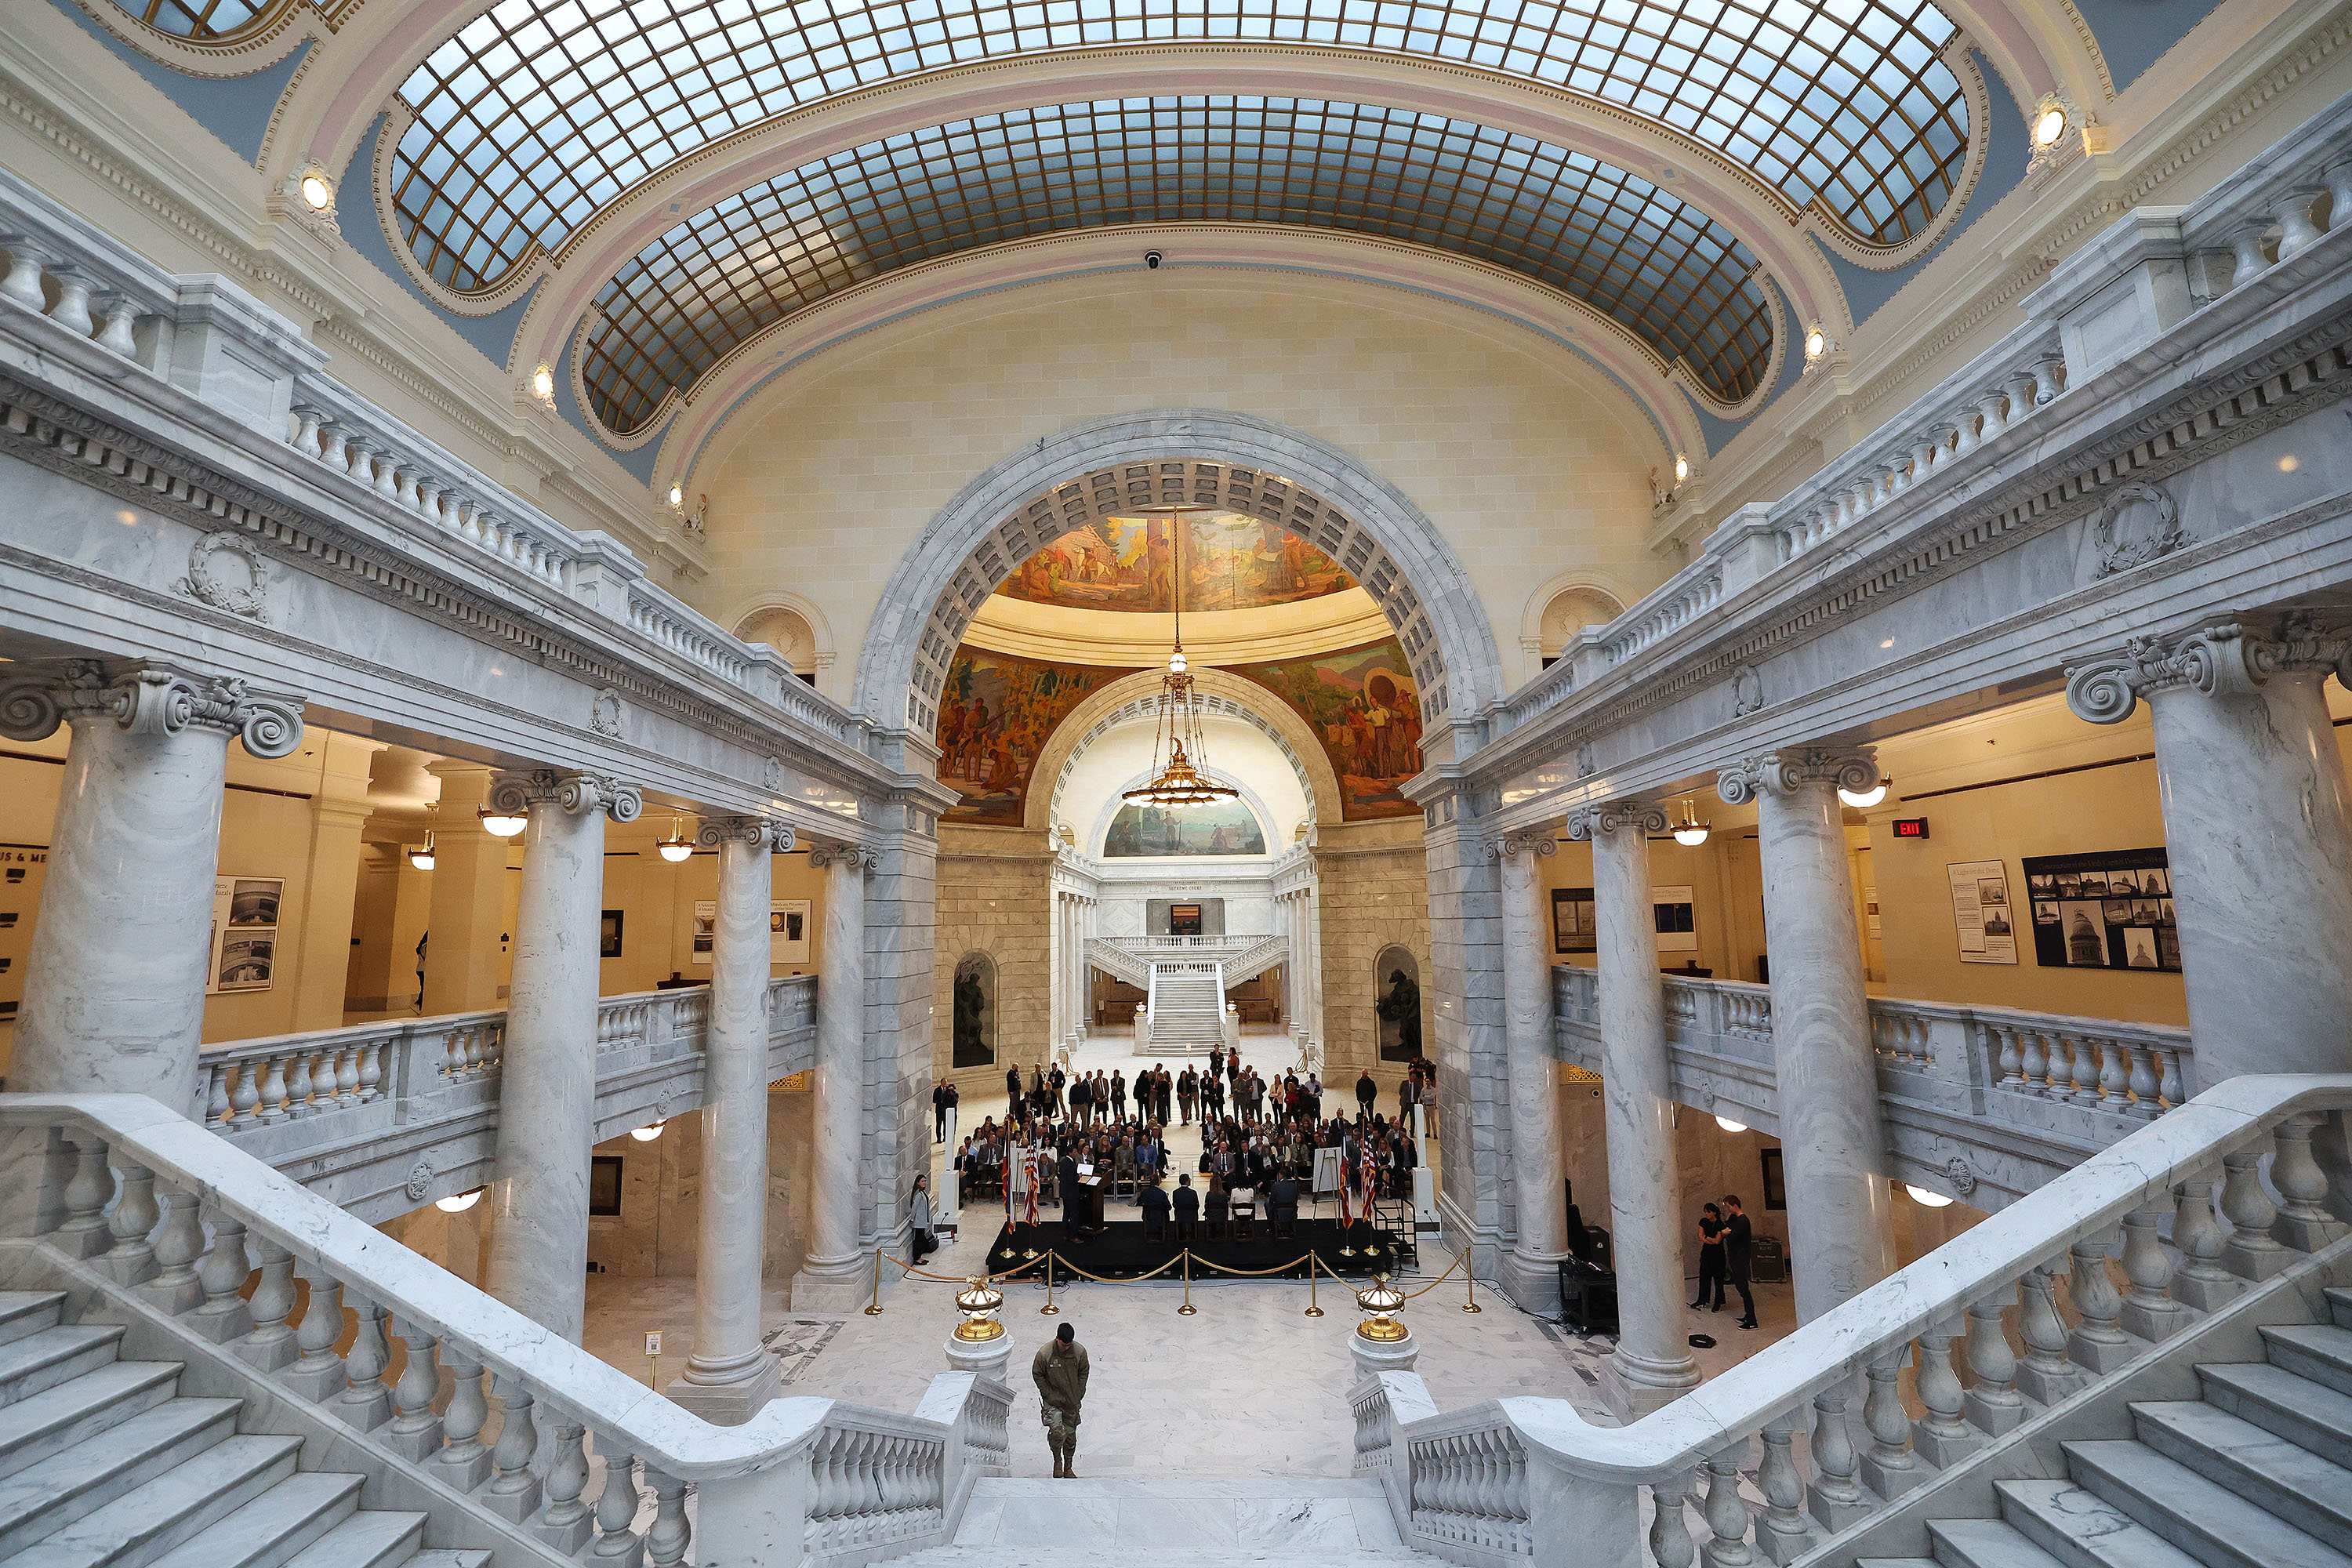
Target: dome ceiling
1224,561
1679,280
536,114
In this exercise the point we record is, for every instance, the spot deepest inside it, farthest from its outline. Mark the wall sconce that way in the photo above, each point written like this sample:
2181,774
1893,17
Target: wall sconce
1682,467
543,384
316,193
1817,342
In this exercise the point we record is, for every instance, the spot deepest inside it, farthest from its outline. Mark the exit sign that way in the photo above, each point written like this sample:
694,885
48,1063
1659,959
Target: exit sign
1910,828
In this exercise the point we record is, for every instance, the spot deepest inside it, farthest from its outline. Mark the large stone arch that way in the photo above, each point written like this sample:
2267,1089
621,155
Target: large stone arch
1234,461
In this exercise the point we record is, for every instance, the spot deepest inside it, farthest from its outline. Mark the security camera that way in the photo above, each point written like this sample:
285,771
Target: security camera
1152,259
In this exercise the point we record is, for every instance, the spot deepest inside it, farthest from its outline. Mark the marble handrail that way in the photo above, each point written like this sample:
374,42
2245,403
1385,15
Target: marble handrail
2066,1232
155,1206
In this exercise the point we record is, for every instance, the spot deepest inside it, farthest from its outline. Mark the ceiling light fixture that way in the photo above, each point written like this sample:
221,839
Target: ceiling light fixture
543,384
677,845
646,1134
1179,753
500,823
1682,467
2049,125
1863,800
459,1203
1729,1125
677,495
1926,1199
1690,832
421,855
317,195
1817,344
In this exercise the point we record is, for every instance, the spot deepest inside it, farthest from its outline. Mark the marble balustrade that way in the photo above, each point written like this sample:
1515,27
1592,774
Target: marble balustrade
382,1118
136,1201
1493,1483
2015,1098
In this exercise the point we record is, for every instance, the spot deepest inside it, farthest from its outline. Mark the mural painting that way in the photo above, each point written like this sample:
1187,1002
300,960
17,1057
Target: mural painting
1230,563
1228,828
1363,706
995,713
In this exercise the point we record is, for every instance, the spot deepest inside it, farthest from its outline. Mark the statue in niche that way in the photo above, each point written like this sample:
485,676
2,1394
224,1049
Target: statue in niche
1401,1007
972,1048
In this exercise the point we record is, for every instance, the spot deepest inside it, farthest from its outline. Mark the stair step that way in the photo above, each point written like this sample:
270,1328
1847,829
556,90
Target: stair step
2276,1475
2319,1352
2201,1517
182,1502
2079,1527
46,1497
287,1519
25,1312
1986,1543
55,1419
2340,1303
2310,1414
444,1557
50,1356
377,1539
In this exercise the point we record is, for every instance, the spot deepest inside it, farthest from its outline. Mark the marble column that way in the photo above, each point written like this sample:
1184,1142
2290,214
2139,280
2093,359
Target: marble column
1530,1270
731,1375
1652,1365
114,979
537,1195
1832,1138
834,1276
468,905
339,814
2257,832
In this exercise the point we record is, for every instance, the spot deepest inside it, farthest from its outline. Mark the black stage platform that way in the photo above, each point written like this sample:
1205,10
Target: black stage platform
1121,1251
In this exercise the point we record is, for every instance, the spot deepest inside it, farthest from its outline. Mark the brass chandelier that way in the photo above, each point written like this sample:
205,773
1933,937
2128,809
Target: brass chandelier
1179,752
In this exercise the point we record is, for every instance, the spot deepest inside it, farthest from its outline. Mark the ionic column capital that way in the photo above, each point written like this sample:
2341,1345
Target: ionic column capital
778,837
572,794
1787,772
857,857
147,697
1589,822
2230,659
1530,841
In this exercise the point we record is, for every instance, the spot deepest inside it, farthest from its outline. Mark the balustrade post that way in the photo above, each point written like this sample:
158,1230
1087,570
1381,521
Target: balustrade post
2251,1253
2144,1083
514,1494
224,1316
85,1233
1890,1468
1992,1403
1726,1514
178,1244
1833,1498
416,1432
273,1344
2097,1342
1782,1535
318,1374
666,1539
567,1524
1941,1435
2045,1374
465,1461
2202,1282
2302,1222
2149,1310
130,1259
616,1508
1671,1546
366,1404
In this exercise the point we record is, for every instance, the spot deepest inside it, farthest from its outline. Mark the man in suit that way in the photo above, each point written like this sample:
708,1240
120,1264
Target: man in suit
1367,1092
1155,1208
1188,1209
1736,1235
1282,1204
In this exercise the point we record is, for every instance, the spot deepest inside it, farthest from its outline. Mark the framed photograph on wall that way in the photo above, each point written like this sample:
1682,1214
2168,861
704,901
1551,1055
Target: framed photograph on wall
1776,1181
1981,912
1677,929
1572,930
2107,910
788,931
604,1183
245,933
706,928
608,934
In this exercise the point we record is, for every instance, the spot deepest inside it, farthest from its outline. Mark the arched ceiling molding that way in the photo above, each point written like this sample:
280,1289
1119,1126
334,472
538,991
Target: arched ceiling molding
1572,340
520,134
1234,461
1131,698
1699,176
210,38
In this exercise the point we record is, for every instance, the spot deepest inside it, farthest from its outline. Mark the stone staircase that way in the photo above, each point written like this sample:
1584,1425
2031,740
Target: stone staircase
103,1461
2255,1473
1188,1011
1208,1523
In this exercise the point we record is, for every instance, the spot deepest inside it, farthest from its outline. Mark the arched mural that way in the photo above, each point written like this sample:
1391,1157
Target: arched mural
1224,560
975,1011
1396,985
1140,832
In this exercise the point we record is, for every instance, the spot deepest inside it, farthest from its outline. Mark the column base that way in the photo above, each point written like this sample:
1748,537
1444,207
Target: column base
732,1403
983,1358
1532,1282
1376,1356
843,1287
1631,1390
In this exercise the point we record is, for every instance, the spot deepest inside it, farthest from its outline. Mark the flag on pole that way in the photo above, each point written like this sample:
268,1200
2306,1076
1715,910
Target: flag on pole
1029,1162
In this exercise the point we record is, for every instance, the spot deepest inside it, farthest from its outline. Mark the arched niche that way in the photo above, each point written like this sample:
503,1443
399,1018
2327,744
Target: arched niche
1401,1029
972,1011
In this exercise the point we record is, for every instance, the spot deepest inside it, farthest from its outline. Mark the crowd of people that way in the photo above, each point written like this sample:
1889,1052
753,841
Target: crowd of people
1258,1139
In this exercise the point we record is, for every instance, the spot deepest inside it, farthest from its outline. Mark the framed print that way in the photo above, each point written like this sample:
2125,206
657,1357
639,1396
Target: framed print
1677,929
706,928
604,1183
2108,909
788,931
608,936
245,933
1776,1181
1572,930
1980,910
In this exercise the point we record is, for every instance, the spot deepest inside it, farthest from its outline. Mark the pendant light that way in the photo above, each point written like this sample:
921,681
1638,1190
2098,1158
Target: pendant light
421,855
677,845
1179,751
500,824
1689,831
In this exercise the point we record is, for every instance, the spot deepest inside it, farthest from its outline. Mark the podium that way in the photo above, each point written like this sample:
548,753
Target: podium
1081,1207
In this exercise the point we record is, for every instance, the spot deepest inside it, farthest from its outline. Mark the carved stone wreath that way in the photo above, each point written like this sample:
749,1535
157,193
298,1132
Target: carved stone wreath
207,584
606,714
1747,690
420,1180
772,774
1964,1181
2120,550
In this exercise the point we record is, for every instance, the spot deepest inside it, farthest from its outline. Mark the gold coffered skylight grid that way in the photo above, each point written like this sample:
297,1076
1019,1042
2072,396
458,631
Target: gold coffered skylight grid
540,111
1677,279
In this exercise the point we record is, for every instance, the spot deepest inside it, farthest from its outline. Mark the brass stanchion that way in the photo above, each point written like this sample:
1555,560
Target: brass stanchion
1187,1309
1312,1264
1470,1279
1049,1310
876,1309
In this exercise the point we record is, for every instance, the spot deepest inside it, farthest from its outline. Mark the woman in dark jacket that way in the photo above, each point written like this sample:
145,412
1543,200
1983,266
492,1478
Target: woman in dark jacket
1710,1258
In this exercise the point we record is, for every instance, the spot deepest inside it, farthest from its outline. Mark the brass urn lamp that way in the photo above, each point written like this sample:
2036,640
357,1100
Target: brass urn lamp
1379,1301
977,1301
